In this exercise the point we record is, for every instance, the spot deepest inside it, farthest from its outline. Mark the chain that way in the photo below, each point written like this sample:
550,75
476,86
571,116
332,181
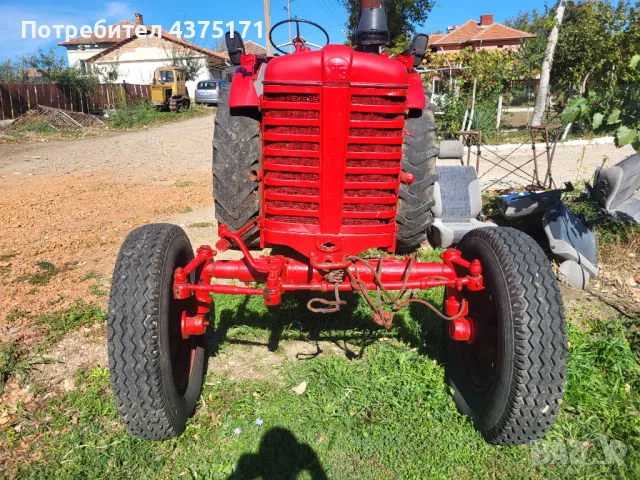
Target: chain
334,305
382,298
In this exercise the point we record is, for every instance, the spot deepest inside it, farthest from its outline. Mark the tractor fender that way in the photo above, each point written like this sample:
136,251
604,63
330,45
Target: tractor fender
243,90
415,94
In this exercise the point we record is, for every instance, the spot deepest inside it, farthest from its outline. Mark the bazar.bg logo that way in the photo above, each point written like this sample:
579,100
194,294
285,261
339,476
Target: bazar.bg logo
600,451
187,29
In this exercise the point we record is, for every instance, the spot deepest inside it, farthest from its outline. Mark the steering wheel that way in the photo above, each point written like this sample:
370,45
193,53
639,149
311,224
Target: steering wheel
299,38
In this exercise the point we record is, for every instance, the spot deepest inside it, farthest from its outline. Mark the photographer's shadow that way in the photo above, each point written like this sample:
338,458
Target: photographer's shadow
280,456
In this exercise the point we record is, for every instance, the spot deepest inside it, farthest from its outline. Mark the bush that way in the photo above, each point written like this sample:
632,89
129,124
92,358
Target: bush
484,119
452,107
129,116
144,113
613,111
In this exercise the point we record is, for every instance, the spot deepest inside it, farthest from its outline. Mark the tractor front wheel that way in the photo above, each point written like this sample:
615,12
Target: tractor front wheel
510,377
156,375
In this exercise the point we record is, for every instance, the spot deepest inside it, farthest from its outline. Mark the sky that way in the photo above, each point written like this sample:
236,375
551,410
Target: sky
328,13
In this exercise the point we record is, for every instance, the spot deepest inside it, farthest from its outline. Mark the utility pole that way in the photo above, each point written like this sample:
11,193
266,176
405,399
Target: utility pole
288,7
267,25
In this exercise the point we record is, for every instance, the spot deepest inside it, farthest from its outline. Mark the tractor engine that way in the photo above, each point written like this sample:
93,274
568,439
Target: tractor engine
331,123
332,135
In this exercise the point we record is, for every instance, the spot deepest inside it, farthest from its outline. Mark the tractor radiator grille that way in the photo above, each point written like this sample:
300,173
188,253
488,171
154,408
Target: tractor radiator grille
374,152
366,164
291,159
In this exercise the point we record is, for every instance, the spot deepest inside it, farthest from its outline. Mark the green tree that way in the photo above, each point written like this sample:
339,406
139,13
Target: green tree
492,70
612,110
54,69
537,23
402,16
13,72
590,48
185,59
596,41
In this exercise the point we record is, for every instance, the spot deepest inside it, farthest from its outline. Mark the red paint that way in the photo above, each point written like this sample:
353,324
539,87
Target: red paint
460,329
332,133
196,325
281,274
415,96
332,149
407,177
243,92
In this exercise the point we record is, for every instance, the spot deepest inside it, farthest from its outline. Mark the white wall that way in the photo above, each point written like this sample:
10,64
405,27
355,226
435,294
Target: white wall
75,54
138,65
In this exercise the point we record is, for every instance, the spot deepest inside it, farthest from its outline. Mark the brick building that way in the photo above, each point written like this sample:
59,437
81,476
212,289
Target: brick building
482,35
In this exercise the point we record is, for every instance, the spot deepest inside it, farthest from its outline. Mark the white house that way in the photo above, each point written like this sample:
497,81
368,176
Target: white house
134,58
79,49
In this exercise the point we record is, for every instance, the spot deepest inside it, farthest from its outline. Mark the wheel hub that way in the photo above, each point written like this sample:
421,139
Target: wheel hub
196,325
461,329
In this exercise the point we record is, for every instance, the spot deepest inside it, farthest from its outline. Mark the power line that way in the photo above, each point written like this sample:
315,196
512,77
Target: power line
325,6
333,8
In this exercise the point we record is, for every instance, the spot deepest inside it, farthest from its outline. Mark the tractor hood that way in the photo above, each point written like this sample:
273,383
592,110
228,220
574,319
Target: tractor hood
336,64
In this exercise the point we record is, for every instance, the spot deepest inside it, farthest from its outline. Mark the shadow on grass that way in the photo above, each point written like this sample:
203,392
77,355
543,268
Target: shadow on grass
280,456
352,326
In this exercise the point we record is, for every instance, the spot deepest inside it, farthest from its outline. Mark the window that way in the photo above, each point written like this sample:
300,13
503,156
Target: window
166,76
211,84
112,75
229,77
83,66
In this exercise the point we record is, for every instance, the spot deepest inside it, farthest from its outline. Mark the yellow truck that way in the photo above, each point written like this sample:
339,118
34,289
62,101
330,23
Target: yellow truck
168,91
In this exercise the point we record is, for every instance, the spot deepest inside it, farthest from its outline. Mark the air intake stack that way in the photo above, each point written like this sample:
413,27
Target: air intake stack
372,32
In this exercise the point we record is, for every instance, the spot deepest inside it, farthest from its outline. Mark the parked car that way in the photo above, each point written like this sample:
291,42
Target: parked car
208,91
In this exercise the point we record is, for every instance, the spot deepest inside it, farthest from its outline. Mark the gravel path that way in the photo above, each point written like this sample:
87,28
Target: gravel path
570,164
158,150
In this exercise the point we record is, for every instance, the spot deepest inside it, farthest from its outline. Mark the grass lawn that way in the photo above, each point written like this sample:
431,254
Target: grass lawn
376,405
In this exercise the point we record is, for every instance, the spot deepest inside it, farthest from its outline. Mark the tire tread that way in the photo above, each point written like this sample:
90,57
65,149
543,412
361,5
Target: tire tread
540,338
132,334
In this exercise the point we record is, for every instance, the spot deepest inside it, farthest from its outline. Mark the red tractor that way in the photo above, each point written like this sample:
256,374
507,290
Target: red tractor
323,154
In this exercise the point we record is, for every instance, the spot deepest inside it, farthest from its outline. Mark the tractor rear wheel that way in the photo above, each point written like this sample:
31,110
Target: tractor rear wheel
237,151
510,377
419,153
156,375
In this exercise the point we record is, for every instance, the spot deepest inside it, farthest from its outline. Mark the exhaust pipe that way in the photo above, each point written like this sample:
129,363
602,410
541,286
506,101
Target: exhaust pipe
372,32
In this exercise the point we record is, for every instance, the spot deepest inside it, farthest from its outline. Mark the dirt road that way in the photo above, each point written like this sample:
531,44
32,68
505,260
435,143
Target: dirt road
71,203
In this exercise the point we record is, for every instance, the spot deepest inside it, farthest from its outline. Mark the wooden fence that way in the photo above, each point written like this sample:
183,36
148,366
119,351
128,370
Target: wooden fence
17,98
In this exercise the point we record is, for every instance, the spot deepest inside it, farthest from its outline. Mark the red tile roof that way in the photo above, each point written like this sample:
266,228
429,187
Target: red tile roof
471,31
110,37
165,35
254,48
251,48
